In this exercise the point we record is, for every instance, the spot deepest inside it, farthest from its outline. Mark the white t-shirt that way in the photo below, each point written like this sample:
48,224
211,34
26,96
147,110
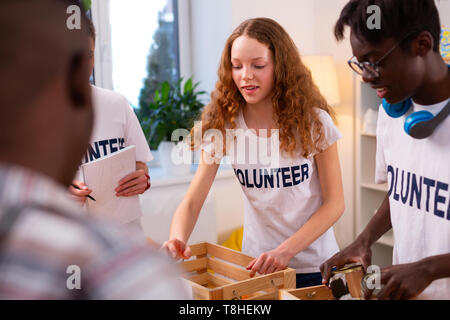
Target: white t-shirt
115,127
281,196
418,174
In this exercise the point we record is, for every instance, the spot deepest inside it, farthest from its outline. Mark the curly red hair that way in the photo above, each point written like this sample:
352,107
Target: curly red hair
294,97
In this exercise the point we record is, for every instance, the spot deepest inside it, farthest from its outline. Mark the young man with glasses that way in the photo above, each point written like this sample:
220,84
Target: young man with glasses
401,60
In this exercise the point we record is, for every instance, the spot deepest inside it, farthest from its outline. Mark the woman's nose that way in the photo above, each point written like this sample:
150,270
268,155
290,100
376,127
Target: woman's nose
248,74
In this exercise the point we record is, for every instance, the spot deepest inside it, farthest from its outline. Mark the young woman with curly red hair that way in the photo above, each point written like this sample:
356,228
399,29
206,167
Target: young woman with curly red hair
290,205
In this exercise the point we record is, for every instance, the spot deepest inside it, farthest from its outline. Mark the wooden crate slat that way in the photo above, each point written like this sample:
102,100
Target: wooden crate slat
194,265
286,295
216,294
201,279
290,277
198,291
200,256
198,248
217,280
271,294
228,269
228,254
252,285
310,293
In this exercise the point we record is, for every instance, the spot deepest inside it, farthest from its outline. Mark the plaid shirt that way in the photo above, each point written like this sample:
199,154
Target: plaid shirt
50,250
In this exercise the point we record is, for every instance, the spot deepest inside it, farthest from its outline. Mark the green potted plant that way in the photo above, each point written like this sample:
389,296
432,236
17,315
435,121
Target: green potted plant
174,106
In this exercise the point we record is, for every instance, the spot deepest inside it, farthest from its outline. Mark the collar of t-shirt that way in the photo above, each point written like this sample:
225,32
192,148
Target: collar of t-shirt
433,108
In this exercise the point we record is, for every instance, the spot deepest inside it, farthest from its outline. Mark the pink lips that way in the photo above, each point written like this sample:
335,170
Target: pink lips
382,92
250,89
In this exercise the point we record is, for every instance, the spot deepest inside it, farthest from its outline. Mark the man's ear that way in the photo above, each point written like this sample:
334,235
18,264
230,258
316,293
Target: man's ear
78,80
422,44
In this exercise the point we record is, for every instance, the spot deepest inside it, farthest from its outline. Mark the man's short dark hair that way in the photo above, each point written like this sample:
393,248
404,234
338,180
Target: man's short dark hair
399,18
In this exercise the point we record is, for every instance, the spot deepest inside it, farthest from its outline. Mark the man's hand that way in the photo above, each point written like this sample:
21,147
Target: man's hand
133,184
355,252
80,194
404,281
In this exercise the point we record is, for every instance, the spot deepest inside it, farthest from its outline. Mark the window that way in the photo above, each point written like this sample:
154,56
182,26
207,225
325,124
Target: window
137,46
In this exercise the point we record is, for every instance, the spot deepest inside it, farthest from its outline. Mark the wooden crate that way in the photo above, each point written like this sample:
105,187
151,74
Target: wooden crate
218,273
309,293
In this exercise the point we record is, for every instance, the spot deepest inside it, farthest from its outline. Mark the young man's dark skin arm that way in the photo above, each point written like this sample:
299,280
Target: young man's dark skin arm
402,281
359,250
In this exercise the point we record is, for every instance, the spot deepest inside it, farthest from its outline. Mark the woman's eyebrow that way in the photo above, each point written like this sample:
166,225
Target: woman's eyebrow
253,59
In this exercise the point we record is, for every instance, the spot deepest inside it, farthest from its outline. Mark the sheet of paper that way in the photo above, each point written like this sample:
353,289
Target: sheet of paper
102,177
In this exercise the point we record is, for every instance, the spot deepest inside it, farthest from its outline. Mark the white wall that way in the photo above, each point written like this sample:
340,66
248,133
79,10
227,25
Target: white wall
210,27
444,11
296,17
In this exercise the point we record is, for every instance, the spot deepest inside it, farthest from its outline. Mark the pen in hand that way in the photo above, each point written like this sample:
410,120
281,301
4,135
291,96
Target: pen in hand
77,187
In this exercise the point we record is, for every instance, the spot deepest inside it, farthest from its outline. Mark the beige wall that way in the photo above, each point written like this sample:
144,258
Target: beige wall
326,14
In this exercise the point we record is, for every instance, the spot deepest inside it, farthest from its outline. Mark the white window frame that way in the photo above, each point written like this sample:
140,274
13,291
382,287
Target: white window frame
185,38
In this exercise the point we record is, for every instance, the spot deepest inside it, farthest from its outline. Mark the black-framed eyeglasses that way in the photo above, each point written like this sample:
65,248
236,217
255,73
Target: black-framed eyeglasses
372,67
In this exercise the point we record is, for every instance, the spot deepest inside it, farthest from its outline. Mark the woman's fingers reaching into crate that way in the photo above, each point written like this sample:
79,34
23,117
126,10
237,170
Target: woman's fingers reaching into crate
177,249
268,262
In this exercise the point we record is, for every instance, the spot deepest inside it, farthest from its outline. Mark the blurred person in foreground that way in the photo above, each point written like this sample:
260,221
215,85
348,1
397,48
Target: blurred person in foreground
46,119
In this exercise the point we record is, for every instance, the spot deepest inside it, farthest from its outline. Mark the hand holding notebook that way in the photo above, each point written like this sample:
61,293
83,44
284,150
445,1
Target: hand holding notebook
102,177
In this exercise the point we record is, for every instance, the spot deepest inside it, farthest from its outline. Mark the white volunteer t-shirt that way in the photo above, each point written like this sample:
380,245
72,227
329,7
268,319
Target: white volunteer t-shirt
418,175
280,196
115,127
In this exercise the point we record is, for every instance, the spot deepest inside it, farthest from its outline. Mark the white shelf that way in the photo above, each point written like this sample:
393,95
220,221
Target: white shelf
377,187
369,195
366,134
387,239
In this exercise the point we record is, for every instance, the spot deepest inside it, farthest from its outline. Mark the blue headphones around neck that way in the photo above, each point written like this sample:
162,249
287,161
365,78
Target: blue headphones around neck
420,124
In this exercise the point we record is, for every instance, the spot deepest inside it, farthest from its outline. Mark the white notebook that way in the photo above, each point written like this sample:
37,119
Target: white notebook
102,177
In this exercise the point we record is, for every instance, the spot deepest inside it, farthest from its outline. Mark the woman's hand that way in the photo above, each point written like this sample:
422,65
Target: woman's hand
268,262
133,184
80,194
177,249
